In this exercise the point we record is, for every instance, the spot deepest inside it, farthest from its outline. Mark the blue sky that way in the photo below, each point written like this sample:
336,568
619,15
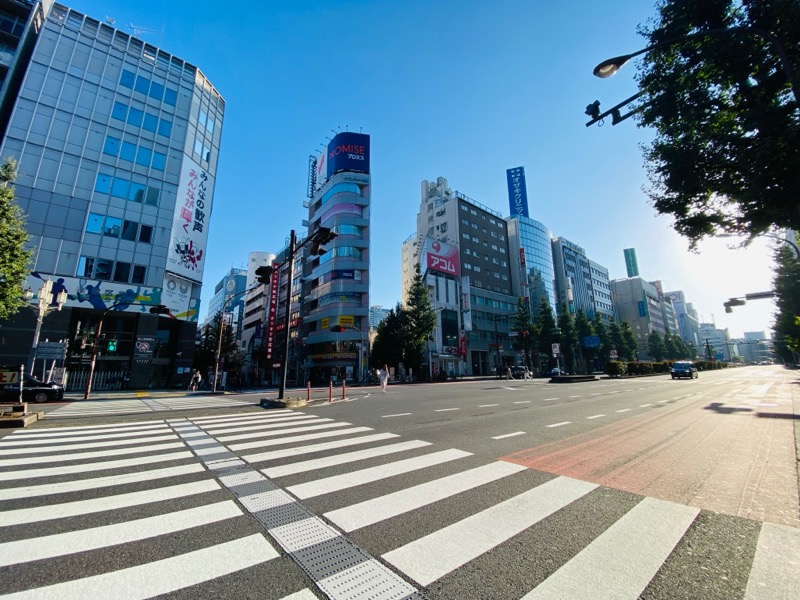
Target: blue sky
460,89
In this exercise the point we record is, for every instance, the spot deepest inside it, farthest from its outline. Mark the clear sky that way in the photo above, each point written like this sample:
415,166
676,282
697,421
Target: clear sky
461,89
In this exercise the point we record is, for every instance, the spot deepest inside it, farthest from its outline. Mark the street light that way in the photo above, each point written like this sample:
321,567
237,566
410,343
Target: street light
610,66
46,305
157,309
319,238
768,234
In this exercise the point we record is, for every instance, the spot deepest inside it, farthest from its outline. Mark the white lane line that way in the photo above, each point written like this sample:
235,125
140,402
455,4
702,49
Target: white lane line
276,454
522,402
385,507
546,399
99,466
395,415
596,394
32,460
445,409
81,507
32,491
162,576
559,424
595,416
644,405
239,417
88,429
297,428
61,544
435,555
104,444
662,401
625,557
617,392
296,438
247,425
678,398
73,439
487,405
624,410
775,574
508,435
574,396
341,459
355,478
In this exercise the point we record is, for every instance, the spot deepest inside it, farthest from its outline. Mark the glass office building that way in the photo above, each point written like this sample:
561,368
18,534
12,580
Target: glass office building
117,144
533,273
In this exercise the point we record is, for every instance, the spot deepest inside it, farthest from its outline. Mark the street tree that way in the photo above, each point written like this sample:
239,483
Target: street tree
583,330
601,331
527,333
786,284
655,346
569,338
629,341
726,151
390,340
420,321
14,258
671,349
206,353
548,332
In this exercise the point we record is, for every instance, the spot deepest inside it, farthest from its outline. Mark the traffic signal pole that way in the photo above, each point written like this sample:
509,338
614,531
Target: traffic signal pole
288,316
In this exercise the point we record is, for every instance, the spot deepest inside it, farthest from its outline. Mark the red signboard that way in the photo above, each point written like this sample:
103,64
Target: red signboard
273,309
440,256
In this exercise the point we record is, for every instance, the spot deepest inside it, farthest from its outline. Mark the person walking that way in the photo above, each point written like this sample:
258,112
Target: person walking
383,375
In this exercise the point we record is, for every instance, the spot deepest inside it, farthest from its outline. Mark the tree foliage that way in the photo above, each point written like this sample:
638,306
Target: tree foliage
421,321
787,298
655,346
527,340
548,331
569,338
390,340
584,329
14,258
726,153
205,355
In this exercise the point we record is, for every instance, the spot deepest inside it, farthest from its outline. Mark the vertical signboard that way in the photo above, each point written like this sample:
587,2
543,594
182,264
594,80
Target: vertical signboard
273,309
517,192
466,312
189,233
523,277
440,256
631,264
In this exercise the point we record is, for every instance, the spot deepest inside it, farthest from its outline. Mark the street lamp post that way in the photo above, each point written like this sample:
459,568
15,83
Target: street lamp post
45,305
156,309
768,234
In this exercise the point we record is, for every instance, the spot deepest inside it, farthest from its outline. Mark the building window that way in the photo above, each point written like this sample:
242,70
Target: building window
159,161
129,229
120,111
135,117
112,226
127,79
170,96
145,234
144,156
122,271
94,224
150,122
128,151
111,146
138,274
165,128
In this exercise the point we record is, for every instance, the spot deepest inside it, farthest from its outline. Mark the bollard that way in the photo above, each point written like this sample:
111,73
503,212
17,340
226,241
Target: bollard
344,389
330,392
308,391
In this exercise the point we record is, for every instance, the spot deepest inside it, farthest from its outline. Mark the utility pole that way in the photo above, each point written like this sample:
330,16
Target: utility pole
708,350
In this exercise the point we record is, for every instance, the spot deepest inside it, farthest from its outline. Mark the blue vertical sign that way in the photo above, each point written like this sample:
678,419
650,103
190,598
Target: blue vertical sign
517,192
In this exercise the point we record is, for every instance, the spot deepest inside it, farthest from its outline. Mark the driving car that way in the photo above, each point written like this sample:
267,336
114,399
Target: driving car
683,368
33,390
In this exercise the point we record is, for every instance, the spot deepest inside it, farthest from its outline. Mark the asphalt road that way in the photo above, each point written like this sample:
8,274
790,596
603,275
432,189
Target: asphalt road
646,488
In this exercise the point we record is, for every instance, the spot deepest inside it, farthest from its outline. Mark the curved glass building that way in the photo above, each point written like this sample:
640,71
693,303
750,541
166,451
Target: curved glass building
535,276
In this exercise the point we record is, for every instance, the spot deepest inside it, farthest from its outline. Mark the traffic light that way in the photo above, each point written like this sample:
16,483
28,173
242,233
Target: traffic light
322,236
264,274
337,329
112,346
593,110
159,309
731,303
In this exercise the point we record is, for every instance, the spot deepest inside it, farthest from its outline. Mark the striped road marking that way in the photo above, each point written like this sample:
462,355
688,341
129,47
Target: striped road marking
559,424
59,438
297,438
104,444
776,566
348,480
396,415
107,428
297,451
162,576
341,459
595,416
435,555
379,509
72,542
508,435
625,557
293,428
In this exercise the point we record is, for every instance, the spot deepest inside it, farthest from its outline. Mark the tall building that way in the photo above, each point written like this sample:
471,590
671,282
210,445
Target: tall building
601,292
376,315
335,285
688,319
638,302
117,143
531,254
229,298
463,250
715,343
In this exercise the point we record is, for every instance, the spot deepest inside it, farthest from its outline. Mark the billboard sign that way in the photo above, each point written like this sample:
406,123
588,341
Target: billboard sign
440,256
348,151
466,306
190,221
517,192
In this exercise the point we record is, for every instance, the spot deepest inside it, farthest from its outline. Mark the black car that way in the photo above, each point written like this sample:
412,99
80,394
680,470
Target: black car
33,390
683,368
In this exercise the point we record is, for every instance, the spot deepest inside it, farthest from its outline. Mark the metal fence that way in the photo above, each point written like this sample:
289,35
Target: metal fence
101,381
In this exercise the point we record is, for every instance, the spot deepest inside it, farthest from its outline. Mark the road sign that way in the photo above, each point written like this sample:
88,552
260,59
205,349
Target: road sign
556,349
51,350
612,354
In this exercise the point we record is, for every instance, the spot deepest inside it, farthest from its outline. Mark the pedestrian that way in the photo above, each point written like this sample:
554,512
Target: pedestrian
194,384
383,376
508,373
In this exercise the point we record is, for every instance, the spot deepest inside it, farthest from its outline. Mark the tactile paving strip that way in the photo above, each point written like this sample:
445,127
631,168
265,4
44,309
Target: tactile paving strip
341,570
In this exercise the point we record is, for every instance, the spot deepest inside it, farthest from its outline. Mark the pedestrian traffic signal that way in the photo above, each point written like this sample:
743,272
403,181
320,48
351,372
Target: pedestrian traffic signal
112,346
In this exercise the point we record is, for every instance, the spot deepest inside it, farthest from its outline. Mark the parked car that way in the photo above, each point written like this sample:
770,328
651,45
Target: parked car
33,390
683,368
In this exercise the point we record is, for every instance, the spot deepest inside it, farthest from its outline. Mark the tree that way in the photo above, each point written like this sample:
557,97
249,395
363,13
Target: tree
527,332
14,258
628,341
671,346
206,353
726,153
787,299
390,339
655,346
569,337
601,331
548,332
584,329
420,321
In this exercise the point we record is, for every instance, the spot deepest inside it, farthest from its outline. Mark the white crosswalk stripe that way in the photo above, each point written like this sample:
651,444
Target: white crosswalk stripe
82,408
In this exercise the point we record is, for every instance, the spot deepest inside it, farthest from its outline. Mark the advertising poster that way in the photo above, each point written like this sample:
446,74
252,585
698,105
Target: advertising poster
440,256
517,192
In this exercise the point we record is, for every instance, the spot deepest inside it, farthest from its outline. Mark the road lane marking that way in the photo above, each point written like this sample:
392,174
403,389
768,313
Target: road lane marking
624,410
336,483
546,399
72,542
574,396
395,415
508,435
32,460
341,459
110,427
775,574
644,405
298,450
596,394
294,428
625,557
385,507
522,402
595,416
163,576
487,405
72,438
559,424
296,438
435,555
445,409
162,437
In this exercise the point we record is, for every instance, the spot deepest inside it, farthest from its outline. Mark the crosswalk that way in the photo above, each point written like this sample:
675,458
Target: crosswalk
129,406
284,504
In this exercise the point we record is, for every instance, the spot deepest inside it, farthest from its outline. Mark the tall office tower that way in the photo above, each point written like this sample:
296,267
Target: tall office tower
531,254
117,143
631,264
335,284
638,302
686,315
575,279
463,250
